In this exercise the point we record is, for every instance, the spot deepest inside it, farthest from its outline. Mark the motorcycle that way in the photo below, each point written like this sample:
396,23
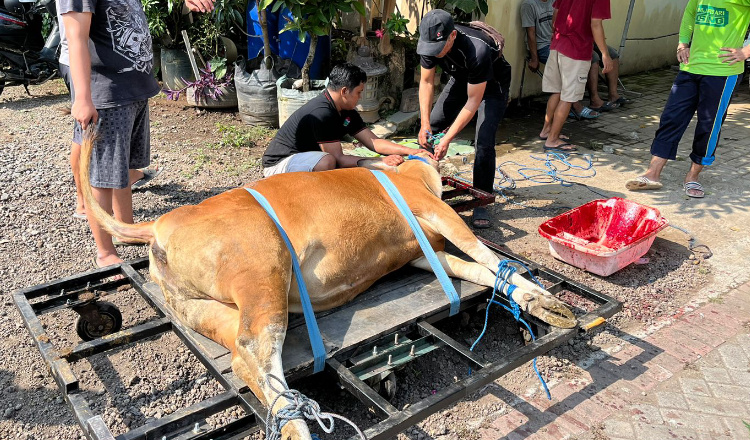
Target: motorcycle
26,58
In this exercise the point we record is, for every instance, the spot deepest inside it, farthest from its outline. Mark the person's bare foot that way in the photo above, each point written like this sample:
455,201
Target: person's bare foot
108,260
560,145
597,103
543,136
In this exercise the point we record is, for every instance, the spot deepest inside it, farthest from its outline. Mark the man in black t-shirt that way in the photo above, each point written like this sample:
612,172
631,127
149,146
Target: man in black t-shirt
480,78
310,140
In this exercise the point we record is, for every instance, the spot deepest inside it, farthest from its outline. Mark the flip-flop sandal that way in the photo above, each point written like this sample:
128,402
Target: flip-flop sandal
642,183
562,136
623,100
606,107
79,215
586,113
566,147
480,219
694,186
149,174
117,242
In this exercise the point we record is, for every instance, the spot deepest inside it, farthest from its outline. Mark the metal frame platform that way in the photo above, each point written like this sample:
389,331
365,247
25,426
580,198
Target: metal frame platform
356,362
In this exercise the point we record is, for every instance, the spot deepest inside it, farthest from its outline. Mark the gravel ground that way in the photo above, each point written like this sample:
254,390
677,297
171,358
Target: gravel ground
41,242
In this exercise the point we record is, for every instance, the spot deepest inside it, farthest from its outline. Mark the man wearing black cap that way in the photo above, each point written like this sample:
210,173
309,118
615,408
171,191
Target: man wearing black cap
480,78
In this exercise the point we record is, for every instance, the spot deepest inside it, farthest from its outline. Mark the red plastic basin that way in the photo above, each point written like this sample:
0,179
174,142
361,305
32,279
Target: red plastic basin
603,236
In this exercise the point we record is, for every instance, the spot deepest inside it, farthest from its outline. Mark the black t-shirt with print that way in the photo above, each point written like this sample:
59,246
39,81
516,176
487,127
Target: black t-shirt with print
120,48
474,59
317,122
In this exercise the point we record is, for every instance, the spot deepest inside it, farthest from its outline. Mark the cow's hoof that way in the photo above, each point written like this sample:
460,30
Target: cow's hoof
552,311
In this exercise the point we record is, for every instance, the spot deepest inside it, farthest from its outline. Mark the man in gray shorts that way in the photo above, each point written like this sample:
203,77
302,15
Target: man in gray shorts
107,58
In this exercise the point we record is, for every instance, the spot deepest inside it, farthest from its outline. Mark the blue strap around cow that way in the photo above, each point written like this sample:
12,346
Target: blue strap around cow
316,340
429,253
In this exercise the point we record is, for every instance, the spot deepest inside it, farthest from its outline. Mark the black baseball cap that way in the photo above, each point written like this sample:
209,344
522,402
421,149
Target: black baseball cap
434,30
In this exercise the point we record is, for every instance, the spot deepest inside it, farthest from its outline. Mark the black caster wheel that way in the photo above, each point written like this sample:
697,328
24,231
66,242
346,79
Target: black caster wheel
109,321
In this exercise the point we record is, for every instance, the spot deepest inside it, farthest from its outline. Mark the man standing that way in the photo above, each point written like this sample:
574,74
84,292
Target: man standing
480,78
711,59
577,26
310,140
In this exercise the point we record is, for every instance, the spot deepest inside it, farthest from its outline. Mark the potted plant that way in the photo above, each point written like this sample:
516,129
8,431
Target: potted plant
256,90
210,40
166,21
311,19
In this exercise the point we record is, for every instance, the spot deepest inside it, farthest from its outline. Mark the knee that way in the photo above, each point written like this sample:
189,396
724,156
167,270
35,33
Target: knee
326,163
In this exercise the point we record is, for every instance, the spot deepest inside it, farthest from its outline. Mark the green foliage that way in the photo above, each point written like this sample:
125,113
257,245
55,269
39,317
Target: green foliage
316,16
465,10
396,25
226,20
233,136
747,425
157,16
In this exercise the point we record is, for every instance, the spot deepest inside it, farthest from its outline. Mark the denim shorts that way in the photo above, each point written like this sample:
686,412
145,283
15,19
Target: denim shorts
123,142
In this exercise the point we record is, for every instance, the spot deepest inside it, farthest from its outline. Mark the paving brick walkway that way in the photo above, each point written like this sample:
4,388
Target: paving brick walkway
688,381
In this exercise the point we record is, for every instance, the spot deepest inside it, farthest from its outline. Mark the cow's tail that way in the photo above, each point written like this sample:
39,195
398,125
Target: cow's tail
137,233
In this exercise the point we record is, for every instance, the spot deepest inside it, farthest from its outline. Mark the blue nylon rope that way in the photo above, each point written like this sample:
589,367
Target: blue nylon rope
427,250
316,340
502,279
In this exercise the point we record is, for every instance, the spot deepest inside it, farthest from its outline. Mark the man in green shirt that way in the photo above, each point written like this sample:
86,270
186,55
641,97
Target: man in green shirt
711,60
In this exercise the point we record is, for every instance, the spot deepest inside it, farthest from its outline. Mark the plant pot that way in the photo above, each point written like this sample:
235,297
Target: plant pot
228,99
175,66
157,61
256,95
290,99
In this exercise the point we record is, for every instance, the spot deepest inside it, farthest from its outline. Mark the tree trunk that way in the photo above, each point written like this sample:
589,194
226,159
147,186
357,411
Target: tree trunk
308,63
267,60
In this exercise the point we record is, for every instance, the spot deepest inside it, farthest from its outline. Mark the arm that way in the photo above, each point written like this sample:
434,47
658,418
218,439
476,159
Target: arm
383,146
687,27
200,5
597,28
475,94
348,161
426,93
77,27
531,38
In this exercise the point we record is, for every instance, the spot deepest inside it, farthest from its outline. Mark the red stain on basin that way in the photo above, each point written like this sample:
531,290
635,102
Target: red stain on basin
603,236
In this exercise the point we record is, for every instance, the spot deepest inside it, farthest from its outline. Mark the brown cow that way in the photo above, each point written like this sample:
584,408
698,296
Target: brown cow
225,270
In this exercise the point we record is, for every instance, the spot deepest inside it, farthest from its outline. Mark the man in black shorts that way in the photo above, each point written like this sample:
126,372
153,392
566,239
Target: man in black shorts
310,140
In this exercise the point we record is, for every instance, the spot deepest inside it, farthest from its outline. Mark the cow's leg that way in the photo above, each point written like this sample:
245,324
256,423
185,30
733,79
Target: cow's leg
262,328
537,302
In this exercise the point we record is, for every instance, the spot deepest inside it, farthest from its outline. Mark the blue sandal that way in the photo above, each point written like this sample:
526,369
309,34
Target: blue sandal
586,113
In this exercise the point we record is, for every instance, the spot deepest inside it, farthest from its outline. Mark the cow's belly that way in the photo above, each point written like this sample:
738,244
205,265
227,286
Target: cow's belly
335,278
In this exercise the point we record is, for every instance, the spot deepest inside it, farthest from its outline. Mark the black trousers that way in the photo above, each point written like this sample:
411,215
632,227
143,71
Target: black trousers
490,113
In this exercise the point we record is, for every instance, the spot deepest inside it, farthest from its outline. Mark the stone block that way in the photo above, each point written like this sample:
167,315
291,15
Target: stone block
403,121
410,100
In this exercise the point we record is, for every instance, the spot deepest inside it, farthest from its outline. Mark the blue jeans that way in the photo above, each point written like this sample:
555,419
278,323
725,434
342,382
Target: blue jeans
543,53
489,115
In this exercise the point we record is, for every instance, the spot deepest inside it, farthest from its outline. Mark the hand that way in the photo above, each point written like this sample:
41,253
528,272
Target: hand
84,112
683,53
608,63
200,5
533,65
442,148
393,160
423,151
732,55
424,134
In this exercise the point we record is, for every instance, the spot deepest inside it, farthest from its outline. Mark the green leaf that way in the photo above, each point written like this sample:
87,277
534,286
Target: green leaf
359,7
263,4
320,31
484,7
467,6
321,17
277,6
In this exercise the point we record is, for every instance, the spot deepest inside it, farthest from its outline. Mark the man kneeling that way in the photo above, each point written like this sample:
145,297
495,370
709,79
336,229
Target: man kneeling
310,140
